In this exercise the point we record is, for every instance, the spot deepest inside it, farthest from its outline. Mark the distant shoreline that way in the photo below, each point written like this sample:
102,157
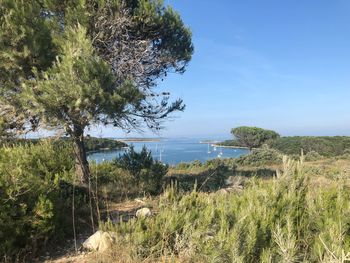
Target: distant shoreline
209,141
232,147
138,139
107,149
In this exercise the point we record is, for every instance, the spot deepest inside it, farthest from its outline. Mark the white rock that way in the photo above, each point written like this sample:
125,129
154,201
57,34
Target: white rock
93,242
100,241
143,212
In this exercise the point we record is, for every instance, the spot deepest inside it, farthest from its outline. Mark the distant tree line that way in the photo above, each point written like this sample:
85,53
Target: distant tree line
327,146
254,137
91,143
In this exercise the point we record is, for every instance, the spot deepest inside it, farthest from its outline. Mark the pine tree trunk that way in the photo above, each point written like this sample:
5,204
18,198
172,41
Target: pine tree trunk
82,170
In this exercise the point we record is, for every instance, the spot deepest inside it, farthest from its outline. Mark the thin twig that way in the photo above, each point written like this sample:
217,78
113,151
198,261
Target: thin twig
73,216
206,180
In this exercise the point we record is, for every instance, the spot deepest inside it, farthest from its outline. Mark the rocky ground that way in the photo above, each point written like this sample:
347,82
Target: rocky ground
116,212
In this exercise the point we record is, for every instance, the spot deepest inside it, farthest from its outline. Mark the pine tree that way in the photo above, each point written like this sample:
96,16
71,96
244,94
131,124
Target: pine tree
68,65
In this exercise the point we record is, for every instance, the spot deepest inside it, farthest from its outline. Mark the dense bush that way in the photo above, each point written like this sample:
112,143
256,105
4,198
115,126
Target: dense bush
36,187
345,155
260,157
35,202
113,182
281,220
147,173
313,156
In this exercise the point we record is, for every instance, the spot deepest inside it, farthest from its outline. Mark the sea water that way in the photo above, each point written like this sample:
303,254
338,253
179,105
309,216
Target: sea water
173,151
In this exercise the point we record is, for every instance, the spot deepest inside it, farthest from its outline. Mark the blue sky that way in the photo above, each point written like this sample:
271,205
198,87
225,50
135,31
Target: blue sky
282,65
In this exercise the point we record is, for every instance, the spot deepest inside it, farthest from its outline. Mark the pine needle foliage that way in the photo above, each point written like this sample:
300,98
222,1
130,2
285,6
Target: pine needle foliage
70,65
35,198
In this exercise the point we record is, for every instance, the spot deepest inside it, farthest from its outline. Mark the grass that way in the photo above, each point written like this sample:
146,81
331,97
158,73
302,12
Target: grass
285,219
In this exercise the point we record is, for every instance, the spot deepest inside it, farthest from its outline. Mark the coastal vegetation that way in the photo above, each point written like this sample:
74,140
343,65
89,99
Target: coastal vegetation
252,137
285,219
298,206
67,66
327,146
147,173
91,143
39,189
35,197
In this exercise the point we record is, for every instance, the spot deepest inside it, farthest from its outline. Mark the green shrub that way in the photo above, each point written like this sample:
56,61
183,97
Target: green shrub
345,155
313,156
147,173
260,157
113,182
34,201
229,163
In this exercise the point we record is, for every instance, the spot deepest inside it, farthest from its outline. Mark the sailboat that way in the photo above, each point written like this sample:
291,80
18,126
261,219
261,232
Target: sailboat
220,153
209,149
